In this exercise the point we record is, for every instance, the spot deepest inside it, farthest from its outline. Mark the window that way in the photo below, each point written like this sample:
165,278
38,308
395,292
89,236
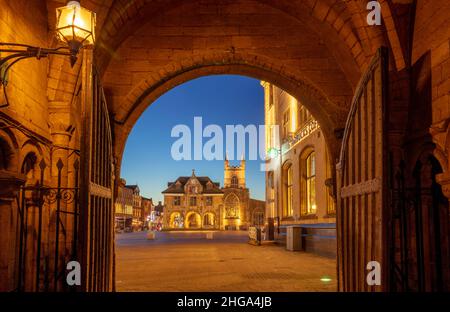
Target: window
286,123
5,154
271,141
288,185
234,181
331,205
270,95
270,181
176,201
193,189
209,200
232,207
258,218
193,201
311,183
304,116
29,165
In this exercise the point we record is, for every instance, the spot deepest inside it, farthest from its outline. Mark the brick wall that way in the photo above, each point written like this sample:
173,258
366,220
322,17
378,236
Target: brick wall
432,32
25,21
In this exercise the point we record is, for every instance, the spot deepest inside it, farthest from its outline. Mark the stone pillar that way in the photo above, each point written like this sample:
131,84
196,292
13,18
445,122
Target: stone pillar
9,190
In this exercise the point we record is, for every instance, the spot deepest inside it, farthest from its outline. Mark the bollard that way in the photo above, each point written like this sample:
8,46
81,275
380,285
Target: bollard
151,235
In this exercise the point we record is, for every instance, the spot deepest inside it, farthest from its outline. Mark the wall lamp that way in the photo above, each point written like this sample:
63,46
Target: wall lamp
75,26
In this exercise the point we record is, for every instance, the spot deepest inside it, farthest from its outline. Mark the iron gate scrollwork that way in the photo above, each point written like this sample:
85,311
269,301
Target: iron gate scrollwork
48,268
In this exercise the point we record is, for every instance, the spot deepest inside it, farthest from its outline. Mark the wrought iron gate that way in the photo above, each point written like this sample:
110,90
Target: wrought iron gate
39,270
419,257
96,190
361,176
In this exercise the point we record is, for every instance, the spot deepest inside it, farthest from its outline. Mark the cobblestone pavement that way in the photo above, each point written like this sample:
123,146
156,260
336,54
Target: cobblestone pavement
187,261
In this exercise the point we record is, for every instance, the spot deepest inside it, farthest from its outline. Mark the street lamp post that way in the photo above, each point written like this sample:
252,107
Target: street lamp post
75,26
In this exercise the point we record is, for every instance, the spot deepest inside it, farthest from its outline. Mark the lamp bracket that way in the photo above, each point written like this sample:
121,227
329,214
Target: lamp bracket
17,52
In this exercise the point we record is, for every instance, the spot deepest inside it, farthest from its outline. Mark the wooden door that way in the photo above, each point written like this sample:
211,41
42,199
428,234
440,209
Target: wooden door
96,192
361,183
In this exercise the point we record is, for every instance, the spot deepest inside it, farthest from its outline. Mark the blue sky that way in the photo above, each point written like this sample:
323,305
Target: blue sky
222,100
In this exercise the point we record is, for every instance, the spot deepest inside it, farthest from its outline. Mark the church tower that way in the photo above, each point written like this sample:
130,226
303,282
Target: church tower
234,176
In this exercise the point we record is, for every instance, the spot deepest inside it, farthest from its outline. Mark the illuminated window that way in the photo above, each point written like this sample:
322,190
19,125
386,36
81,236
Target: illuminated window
303,116
288,185
232,207
331,205
311,183
286,122
177,201
209,200
270,95
234,181
193,201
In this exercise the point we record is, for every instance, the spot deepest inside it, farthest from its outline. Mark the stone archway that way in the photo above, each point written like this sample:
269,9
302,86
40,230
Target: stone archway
193,220
175,220
330,116
209,220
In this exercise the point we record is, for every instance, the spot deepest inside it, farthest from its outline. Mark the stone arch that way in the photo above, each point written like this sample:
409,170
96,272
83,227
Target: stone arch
209,220
31,156
193,220
174,218
329,114
29,164
5,154
8,147
342,19
340,24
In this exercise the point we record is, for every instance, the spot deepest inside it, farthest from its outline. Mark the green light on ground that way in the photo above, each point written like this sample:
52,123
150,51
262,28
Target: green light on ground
326,279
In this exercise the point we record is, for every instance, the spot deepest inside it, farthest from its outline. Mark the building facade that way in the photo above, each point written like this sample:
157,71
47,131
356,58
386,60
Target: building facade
157,217
199,203
123,207
193,203
147,208
298,178
138,215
